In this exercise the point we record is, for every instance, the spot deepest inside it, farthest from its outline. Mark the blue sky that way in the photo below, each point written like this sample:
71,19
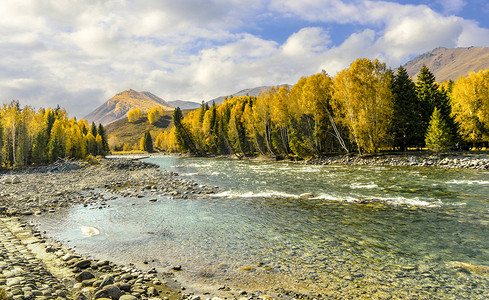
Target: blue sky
78,54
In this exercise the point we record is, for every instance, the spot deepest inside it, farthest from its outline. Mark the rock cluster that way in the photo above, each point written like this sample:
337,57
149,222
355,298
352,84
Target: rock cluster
41,190
453,161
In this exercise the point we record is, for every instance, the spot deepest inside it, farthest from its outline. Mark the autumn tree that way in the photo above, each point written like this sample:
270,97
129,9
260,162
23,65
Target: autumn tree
134,115
56,146
363,102
155,114
470,97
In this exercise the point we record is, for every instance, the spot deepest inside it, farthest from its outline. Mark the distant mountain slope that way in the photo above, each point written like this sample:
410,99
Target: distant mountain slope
448,64
122,132
184,104
246,92
117,107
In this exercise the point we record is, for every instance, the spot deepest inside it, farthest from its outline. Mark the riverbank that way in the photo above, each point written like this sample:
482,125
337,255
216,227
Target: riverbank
36,267
451,160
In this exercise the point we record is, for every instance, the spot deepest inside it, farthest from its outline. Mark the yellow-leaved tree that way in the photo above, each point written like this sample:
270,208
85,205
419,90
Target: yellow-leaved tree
155,114
470,100
363,102
134,115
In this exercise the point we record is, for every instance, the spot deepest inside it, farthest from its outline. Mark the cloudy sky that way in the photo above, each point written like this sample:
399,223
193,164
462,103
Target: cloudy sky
78,53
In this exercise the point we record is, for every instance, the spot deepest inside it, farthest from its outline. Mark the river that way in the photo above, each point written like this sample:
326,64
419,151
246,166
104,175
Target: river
425,235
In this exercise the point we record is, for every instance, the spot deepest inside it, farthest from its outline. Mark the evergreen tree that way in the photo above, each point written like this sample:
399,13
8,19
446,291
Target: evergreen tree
438,136
50,118
147,142
40,148
105,141
93,129
430,96
55,148
406,121
183,135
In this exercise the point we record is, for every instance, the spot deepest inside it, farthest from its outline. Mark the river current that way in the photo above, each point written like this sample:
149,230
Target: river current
426,238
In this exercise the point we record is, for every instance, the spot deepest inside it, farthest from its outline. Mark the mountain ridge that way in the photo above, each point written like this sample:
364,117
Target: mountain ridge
449,64
117,107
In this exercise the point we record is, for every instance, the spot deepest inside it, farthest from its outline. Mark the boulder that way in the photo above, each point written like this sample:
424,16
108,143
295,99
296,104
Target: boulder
83,264
109,291
107,280
16,180
79,296
85,275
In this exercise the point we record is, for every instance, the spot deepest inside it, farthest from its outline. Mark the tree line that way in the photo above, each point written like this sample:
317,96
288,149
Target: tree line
365,108
28,137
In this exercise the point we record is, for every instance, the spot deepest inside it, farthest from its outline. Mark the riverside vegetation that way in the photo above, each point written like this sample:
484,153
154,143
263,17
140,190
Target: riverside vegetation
365,108
28,137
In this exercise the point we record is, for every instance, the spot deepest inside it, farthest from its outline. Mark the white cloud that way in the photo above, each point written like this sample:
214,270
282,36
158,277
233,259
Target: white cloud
80,53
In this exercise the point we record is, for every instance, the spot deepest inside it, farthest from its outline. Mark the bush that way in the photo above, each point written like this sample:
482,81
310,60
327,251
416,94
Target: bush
92,160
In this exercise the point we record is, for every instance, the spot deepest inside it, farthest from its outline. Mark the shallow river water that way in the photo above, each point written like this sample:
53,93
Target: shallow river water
428,238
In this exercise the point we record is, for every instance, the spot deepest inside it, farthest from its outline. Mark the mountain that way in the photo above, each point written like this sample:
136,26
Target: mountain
448,64
184,104
247,92
117,107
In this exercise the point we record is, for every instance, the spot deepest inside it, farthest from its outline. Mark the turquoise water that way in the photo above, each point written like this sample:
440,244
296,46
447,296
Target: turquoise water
258,234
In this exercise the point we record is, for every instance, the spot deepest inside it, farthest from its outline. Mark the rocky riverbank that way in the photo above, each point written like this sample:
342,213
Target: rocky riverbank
35,267
453,160
50,188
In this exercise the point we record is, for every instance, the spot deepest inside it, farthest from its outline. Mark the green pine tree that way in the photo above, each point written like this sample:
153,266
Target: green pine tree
147,142
430,96
55,148
438,136
40,147
105,142
406,123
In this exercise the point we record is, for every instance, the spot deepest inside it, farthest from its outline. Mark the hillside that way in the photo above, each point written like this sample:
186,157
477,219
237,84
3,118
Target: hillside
122,132
448,64
246,92
117,107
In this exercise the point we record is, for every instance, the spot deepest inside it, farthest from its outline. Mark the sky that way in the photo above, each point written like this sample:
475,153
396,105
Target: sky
78,54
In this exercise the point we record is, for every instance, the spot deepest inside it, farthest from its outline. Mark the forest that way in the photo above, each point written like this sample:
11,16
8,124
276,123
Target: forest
28,137
365,108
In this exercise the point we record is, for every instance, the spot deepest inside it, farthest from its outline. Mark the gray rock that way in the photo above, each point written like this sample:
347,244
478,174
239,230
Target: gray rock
107,280
126,287
109,291
85,275
83,264
102,263
79,296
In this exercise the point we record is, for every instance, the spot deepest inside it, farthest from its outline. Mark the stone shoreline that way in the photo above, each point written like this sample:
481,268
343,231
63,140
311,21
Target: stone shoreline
36,267
452,160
